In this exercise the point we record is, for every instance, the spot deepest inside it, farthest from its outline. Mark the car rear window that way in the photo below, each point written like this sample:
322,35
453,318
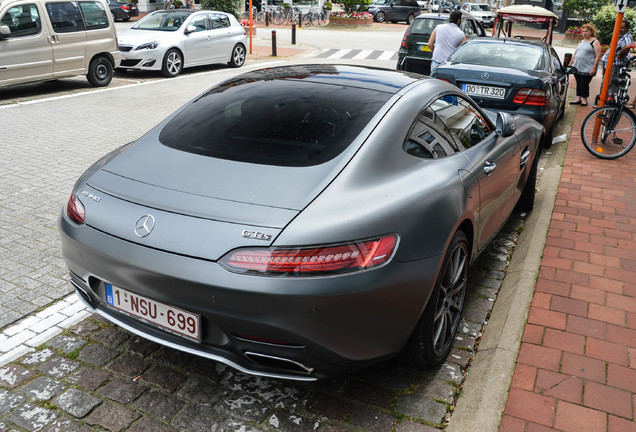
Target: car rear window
424,26
274,122
509,55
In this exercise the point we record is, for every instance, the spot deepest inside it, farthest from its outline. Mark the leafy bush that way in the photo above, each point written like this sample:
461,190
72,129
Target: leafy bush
584,9
328,5
233,7
605,19
355,5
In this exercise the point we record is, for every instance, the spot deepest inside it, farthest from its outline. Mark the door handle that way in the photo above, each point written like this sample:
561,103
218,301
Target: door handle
489,167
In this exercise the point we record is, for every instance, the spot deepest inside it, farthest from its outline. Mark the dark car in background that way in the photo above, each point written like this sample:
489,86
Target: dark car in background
512,75
415,55
123,9
394,10
334,232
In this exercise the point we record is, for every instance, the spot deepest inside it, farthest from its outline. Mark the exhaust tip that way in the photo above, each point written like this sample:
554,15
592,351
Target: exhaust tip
279,363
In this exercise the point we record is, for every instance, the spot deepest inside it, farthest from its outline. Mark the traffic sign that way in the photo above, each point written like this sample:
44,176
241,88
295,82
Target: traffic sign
621,5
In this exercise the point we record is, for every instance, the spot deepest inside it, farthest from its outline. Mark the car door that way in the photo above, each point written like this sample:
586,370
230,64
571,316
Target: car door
68,38
223,37
496,162
199,43
561,79
26,55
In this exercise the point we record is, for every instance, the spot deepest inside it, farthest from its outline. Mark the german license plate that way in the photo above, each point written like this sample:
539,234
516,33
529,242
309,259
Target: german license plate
487,91
175,320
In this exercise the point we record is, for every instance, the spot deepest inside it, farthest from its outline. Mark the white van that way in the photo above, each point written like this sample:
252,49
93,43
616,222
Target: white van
49,39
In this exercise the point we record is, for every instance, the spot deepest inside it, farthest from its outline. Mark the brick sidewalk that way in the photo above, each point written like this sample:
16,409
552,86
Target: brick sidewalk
576,369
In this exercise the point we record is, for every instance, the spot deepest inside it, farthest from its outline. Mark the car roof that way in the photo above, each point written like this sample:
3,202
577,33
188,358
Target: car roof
495,40
443,16
380,79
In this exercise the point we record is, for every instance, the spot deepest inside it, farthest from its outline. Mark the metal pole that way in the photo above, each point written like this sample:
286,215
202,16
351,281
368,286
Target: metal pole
273,43
267,19
293,34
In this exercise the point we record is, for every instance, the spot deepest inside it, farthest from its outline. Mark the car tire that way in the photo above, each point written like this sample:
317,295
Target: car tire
526,201
238,56
100,72
434,334
172,63
127,18
114,17
380,17
547,138
410,19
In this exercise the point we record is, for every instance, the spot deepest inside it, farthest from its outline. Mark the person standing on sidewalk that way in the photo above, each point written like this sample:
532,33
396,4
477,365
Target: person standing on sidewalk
445,39
624,45
585,60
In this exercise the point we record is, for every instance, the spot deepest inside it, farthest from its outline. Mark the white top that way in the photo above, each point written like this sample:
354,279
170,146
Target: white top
447,38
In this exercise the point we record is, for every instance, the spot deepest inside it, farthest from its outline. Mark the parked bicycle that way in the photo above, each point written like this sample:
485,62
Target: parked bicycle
316,16
609,132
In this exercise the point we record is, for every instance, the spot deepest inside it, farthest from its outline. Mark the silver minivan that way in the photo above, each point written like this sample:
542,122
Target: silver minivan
49,39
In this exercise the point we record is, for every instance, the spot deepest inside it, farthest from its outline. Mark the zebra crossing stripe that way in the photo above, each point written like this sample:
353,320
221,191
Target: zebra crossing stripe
362,54
357,54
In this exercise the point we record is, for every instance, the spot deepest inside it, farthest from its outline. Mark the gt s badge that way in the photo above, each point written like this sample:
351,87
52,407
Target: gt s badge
91,196
256,235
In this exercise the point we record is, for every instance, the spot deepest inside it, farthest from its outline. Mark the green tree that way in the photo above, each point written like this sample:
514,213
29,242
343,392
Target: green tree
234,7
355,5
584,10
605,19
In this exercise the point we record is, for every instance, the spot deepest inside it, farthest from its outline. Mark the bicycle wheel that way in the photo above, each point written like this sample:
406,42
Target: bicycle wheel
307,20
277,17
259,18
608,133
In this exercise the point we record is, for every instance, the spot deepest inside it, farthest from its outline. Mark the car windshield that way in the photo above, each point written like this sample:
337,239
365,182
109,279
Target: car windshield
283,122
480,8
424,26
508,55
123,2
162,21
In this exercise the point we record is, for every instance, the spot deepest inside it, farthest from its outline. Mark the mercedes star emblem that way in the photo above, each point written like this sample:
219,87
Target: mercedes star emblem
485,75
144,225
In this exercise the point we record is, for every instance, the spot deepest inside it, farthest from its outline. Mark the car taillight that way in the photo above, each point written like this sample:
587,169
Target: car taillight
405,43
125,7
320,260
528,96
75,209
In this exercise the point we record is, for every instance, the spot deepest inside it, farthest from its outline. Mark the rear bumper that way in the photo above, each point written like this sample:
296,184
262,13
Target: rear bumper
414,64
294,328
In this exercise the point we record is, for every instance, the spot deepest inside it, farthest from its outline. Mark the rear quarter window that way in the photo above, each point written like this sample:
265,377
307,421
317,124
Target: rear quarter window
94,15
275,122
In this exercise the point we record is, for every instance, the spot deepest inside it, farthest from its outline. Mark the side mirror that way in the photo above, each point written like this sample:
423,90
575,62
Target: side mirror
5,32
567,59
506,124
190,29
570,70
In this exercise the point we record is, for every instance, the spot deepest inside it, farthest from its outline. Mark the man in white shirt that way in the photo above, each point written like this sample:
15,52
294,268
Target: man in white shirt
445,39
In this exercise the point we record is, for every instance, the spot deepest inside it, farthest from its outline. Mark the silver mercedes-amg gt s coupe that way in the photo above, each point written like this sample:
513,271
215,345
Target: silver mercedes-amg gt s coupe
301,221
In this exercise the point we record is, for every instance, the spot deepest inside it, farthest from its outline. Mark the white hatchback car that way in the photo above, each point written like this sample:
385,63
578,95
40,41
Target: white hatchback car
170,40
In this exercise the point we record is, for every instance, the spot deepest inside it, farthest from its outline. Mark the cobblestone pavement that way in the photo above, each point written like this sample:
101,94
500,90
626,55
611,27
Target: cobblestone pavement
96,376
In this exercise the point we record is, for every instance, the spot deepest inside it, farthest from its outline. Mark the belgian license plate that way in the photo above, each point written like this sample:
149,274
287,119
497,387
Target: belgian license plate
487,91
175,320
